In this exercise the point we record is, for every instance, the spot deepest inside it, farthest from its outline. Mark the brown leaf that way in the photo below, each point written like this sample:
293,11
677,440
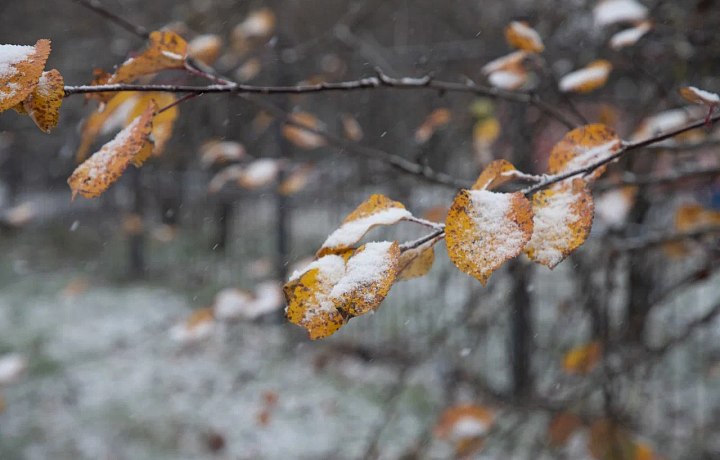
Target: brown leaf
583,359
583,147
484,229
99,171
523,37
43,104
20,71
376,210
563,219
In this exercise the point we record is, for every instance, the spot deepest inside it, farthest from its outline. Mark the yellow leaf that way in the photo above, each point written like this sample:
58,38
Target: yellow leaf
205,48
258,23
43,105
369,275
688,218
352,128
20,70
494,175
507,72
507,62
416,262
301,137
101,78
163,123
486,131
99,171
699,96
563,218
105,120
167,50
523,37
562,427
583,359
484,229
307,295
262,122
438,118
376,210
582,147
296,181
591,77
629,37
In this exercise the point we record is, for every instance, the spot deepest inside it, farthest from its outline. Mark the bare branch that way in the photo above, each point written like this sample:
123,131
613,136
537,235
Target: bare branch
656,239
95,6
629,178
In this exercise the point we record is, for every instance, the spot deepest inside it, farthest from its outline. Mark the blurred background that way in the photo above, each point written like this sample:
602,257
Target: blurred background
109,348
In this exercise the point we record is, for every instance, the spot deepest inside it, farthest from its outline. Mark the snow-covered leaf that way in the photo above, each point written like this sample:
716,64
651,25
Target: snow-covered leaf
563,216
296,180
109,117
629,37
20,71
200,326
99,171
462,423
376,210
583,147
163,123
494,175
609,12
260,173
699,96
523,37
205,48
215,151
484,229
669,120
43,104
591,77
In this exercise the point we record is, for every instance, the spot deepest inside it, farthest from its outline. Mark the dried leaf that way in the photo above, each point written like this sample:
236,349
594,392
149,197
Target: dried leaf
301,137
629,37
416,262
352,128
562,427
588,79
20,71
699,96
582,147
523,37
43,104
99,171
494,175
583,359
484,229
167,50
609,12
369,275
102,77
563,218
205,48
163,123
112,116
376,210
296,181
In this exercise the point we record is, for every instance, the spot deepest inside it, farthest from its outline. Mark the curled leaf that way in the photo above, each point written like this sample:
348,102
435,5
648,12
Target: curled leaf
103,121
588,79
494,175
699,96
43,104
582,147
99,171
20,70
563,218
484,229
376,210
523,37
629,37
167,50
416,262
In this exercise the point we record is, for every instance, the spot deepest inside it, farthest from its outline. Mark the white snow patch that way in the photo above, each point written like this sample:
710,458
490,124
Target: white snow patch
351,232
260,172
11,55
100,161
495,236
11,367
667,121
364,268
706,96
468,427
587,156
506,80
172,55
574,80
526,32
629,37
504,62
610,12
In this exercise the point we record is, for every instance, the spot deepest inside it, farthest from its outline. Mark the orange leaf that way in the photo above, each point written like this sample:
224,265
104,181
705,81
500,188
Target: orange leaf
167,50
507,72
296,181
99,171
215,151
102,77
591,77
494,175
416,262
205,48
43,105
523,37
699,96
439,118
582,147
463,421
563,218
301,137
20,70
629,37
163,123
484,229
352,128
248,70
376,210
112,116
583,359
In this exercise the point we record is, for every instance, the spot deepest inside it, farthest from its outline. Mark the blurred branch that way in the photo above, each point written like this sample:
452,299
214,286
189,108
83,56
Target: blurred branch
629,178
657,239
97,7
704,319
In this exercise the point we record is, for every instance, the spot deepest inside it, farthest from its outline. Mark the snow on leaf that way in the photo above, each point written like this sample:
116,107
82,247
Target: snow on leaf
11,367
99,171
523,37
307,295
231,173
102,77
163,123
563,218
589,78
494,175
214,151
508,79
609,12
562,427
167,50
369,275
582,359
43,104
463,421
484,229
258,23
629,37
614,205
199,326
416,262
300,137
205,48
296,180
438,118
699,96
260,173
506,62
20,70
582,147
376,210
669,120
112,116
351,128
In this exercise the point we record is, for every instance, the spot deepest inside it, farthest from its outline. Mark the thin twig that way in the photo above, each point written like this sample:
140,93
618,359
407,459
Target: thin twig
95,6
656,239
629,178
187,97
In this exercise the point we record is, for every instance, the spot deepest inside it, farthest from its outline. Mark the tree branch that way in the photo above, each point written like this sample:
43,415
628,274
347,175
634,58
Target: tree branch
95,6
